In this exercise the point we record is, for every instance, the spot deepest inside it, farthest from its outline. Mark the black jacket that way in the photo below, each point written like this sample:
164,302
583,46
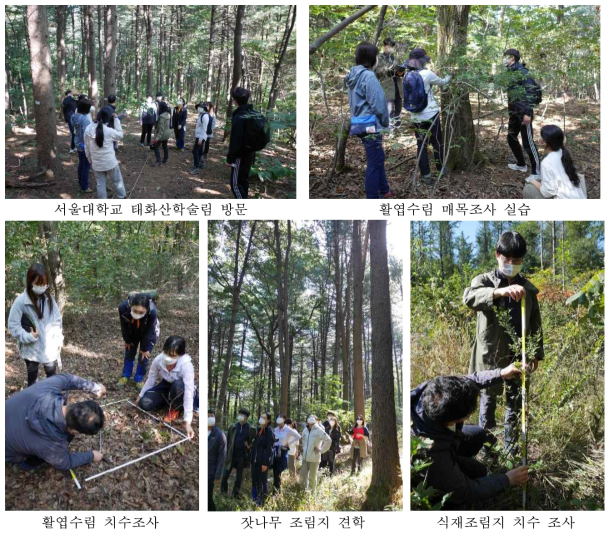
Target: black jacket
179,118
110,109
69,107
444,474
145,330
262,448
237,133
520,91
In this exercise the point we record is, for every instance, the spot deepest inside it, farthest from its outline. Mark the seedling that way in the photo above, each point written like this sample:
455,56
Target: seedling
524,398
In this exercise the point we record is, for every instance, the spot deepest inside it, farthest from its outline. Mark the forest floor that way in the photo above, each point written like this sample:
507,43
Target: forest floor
142,181
341,492
490,177
93,349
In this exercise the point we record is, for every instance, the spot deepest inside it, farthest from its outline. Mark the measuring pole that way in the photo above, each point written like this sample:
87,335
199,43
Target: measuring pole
524,398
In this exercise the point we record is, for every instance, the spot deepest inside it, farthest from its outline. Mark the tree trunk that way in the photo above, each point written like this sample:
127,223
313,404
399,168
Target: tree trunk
236,67
110,56
359,257
346,344
457,120
60,15
52,259
380,23
313,47
274,92
91,54
148,31
42,87
101,50
210,53
137,66
386,465
338,299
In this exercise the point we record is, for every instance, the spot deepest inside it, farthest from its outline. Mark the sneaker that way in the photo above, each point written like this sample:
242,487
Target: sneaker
389,195
195,171
535,177
515,167
122,382
88,190
142,144
73,150
171,416
156,164
428,180
140,385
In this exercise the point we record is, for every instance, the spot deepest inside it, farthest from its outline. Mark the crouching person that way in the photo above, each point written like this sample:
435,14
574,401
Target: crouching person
176,389
439,409
315,442
39,426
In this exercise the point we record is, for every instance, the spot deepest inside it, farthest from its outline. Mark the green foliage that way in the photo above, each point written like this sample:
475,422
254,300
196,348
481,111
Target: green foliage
421,495
592,297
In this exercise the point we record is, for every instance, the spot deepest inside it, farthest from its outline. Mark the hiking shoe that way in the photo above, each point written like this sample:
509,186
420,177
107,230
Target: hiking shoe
88,190
515,167
195,171
142,144
122,382
156,164
389,195
428,180
140,385
534,177
171,416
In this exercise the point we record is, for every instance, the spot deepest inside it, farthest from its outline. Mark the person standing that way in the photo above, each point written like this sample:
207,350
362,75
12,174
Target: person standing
360,435
210,129
523,94
424,111
69,107
80,121
293,450
240,437
147,119
35,322
162,134
284,437
216,454
387,72
261,459
368,117
111,108
200,136
180,117
334,432
315,442
138,318
491,294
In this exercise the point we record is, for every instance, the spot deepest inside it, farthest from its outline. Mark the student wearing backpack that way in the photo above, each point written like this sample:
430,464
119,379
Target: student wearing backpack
387,73
162,134
210,128
200,135
69,107
180,117
368,116
80,121
423,108
147,119
247,136
523,94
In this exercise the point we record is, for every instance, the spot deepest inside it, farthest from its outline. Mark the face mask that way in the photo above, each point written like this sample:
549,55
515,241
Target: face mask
359,422
148,101
169,361
39,290
311,421
261,421
330,421
510,270
137,316
211,420
506,61
200,110
279,421
179,103
241,418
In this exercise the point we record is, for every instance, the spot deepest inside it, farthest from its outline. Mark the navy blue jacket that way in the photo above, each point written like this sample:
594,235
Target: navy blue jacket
69,107
444,474
521,91
143,331
179,118
262,448
34,424
216,453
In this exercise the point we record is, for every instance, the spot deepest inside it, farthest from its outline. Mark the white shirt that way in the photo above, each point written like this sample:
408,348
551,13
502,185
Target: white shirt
432,108
102,158
555,181
202,121
286,436
184,369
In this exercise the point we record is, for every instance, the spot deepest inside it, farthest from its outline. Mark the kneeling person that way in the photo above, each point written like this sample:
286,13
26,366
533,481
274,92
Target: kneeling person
439,409
176,389
39,426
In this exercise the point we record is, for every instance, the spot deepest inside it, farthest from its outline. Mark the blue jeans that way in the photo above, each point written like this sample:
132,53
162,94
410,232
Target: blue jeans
83,170
376,183
141,367
180,137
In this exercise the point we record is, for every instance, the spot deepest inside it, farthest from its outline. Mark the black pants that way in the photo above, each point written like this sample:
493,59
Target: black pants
206,151
164,394
146,131
237,463
429,132
72,135
239,175
356,459
197,152
32,369
211,505
328,460
164,145
260,485
516,127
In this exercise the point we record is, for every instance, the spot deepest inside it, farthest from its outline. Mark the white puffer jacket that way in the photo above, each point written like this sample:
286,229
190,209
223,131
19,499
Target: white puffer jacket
312,439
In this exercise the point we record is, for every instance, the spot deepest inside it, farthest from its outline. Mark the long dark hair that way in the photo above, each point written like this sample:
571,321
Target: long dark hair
35,272
103,118
554,138
366,55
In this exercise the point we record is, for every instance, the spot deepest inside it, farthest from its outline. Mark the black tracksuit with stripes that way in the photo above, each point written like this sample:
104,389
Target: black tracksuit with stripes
241,158
520,103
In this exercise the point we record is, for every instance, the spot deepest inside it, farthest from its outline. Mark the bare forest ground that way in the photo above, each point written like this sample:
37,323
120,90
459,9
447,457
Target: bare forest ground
171,181
490,177
93,349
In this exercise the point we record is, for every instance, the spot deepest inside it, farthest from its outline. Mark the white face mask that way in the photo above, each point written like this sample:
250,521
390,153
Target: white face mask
241,418
261,421
279,421
179,103
211,421
506,61
169,361
137,316
510,270
201,110
39,290
359,422
149,101
311,421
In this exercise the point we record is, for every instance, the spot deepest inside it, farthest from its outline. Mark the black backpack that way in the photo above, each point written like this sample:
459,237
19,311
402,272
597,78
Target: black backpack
256,133
535,92
210,126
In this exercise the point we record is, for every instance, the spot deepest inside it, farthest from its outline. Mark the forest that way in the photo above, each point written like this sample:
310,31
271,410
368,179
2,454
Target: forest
559,44
196,53
565,425
305,317
92,267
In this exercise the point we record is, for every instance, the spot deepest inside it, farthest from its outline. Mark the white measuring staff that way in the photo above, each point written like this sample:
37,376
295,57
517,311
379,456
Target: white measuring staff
159,420
136,460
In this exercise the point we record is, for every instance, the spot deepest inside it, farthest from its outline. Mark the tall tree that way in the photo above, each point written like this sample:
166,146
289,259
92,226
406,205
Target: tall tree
274,92
210,53
148,37
91,54
359,260
60,15
42,86
110,56
52,260
137,42
386,464
237,59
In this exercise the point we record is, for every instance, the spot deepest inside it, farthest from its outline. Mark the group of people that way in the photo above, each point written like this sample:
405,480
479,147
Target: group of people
39,424
276,447
377,86
441,407
95,136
